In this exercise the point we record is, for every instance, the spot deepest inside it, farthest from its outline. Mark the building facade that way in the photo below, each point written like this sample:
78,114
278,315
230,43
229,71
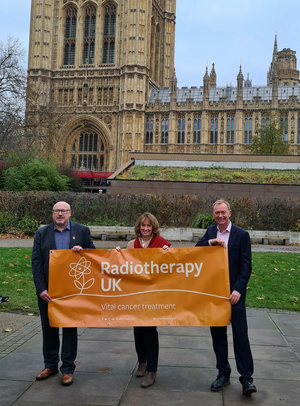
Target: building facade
98,60
108,68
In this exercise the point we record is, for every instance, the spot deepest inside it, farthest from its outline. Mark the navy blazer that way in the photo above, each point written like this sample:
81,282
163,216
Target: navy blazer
44,241
239,255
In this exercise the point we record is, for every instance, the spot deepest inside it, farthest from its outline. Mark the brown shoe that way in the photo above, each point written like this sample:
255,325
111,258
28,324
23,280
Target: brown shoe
46,373
67,379
141,369
149,379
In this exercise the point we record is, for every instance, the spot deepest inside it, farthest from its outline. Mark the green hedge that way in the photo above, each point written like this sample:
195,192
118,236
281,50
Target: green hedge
279,214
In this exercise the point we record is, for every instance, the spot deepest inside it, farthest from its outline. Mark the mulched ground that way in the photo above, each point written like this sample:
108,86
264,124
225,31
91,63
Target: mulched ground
15,235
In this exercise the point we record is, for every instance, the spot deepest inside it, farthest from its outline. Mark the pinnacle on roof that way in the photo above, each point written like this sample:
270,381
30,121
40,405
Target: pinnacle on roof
206,74
275,49
240,74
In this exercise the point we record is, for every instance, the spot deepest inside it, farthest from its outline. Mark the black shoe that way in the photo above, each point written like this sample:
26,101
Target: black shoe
3,299
220,383
248,387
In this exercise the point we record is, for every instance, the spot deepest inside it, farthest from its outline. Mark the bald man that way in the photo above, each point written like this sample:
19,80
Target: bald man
61,234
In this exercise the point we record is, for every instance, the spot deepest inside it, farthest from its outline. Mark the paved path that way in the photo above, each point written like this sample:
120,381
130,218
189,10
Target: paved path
112,243
106,362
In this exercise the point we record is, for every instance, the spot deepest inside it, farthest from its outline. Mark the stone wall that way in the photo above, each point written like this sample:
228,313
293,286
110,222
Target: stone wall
202,188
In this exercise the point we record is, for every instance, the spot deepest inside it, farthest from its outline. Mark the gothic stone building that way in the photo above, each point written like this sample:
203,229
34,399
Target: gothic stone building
108,65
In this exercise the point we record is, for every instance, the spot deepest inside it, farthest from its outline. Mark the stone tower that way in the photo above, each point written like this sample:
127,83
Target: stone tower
97,61
285,64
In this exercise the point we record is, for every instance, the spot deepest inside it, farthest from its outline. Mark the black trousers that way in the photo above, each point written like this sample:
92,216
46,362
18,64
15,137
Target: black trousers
51,343
241,345
146,346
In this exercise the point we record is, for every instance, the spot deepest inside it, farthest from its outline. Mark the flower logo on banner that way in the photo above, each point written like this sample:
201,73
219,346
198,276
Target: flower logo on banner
78,271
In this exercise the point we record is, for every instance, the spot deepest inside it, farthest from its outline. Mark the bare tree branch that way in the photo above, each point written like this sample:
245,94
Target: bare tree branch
12,94
43,119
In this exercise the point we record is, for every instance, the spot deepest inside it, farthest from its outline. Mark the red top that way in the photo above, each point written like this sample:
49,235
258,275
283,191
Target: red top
156,242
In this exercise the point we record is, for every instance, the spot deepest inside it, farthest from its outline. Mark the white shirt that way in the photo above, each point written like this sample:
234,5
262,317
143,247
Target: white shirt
224,235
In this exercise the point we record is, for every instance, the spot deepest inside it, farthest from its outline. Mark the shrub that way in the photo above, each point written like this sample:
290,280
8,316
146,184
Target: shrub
7,221
75,183
243,211
2,171
254,213
35,175
204,220
28,225
237,175
297,226
104,220
227,178
277,214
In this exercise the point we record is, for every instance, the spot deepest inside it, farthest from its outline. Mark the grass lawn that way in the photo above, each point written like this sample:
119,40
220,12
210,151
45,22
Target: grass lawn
16,280
213,174
274,283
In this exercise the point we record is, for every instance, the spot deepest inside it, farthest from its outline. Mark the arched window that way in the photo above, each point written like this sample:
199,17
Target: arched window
70,36
248,130
164,130
109,34
197,131
181,131
264,122
89,35
230,130
88,152
149,132
214,130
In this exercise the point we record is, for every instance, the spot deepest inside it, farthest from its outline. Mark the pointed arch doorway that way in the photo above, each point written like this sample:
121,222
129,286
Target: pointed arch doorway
88,150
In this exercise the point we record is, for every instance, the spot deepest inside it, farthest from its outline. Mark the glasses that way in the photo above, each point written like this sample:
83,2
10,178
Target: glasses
63,211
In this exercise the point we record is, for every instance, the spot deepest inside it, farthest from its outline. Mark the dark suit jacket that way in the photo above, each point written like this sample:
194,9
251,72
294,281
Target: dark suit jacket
44,241
239,255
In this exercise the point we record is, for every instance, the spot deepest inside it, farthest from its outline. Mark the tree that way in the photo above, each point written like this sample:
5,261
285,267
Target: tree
25,171
12,94
270,141
43,119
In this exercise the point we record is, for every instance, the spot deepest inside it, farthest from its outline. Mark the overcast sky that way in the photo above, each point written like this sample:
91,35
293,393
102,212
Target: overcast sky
226,32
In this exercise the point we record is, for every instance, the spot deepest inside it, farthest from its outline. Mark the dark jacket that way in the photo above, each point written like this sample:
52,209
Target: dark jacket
239,255
44,241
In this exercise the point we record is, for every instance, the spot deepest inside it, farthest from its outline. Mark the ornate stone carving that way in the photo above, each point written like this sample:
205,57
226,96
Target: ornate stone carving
107,119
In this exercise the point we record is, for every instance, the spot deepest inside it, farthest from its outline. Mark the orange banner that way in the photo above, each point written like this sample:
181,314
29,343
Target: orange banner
139,287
